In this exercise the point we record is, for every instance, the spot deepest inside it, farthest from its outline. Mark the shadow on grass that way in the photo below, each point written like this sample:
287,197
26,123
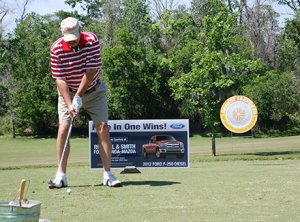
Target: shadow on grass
86,185
273,153
135,183
149,183
263,153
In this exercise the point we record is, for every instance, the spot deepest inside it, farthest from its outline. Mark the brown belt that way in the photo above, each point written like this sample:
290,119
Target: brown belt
93,89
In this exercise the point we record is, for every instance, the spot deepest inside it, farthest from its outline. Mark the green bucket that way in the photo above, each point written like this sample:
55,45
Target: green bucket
12,212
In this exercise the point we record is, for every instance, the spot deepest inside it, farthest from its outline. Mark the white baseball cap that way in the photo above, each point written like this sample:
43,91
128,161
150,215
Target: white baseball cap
70,29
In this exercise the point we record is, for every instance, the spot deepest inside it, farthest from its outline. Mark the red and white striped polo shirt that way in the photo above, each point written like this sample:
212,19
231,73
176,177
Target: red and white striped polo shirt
71,64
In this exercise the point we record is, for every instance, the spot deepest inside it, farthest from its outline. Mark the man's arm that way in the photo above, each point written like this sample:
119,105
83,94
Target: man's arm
63,89
86,81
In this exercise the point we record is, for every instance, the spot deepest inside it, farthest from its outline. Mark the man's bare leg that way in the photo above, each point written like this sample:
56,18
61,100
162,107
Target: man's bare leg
105,147
60,177
60,143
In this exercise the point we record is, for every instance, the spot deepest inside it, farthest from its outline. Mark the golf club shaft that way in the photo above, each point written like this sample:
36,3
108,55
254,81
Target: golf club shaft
66,144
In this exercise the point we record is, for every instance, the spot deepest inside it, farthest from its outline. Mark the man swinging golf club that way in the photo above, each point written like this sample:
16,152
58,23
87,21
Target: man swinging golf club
76,67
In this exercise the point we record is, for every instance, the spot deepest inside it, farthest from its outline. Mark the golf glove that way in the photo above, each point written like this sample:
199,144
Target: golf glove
77,103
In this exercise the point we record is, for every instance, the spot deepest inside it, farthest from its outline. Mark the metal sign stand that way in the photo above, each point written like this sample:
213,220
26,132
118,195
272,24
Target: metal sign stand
130,169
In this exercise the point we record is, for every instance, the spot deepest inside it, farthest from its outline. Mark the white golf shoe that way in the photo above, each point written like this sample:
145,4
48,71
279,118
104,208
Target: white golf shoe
60,181
110,180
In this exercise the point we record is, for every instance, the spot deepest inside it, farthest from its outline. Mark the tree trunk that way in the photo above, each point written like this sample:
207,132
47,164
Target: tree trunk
213,144
13,127
12,118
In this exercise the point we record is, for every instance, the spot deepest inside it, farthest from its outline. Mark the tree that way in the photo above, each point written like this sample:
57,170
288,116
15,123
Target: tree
202,8
23,9
127,67
8,88
159,7
218,70
6,82
277,97
293,4
288,54
3,89
132,67
261,23
3,12
138,89
92,8
135,16
112,10
34,96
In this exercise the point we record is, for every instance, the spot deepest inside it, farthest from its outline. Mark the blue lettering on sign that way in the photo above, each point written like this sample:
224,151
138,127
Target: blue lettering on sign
177,125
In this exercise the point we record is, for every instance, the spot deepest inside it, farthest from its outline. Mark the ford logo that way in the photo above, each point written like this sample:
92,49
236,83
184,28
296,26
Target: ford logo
177,125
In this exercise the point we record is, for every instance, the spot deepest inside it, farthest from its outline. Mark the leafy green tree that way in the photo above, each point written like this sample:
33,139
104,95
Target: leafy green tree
3,88
8,87
130,73
92,8
35,96
143,51
137,87
3,99
112,10
277,98
175,36
135,16
288,55
218,70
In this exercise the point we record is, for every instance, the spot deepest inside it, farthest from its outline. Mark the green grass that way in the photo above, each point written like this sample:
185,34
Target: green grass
31,151
249,180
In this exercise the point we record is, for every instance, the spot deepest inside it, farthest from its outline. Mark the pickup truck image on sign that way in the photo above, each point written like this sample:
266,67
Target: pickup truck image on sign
161,145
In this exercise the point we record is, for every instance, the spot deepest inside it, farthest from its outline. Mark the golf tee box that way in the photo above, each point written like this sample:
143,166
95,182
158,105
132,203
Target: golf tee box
160,143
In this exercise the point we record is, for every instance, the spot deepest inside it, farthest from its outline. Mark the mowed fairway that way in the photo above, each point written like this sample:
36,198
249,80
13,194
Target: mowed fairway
249,180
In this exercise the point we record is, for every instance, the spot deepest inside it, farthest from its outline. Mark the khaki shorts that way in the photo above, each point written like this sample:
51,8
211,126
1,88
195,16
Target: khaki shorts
94,103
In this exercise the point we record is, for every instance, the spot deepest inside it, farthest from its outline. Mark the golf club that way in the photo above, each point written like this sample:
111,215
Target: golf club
51,183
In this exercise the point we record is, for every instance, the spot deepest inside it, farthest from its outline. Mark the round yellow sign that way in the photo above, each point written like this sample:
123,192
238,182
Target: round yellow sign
238,114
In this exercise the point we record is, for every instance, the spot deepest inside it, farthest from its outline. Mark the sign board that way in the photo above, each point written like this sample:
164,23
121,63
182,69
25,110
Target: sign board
238,114
144,143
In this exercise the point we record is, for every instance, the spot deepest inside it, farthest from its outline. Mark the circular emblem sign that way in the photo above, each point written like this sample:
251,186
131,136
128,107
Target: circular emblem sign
238,114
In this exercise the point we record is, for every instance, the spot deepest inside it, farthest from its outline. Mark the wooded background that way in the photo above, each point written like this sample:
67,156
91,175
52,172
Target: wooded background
160,60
